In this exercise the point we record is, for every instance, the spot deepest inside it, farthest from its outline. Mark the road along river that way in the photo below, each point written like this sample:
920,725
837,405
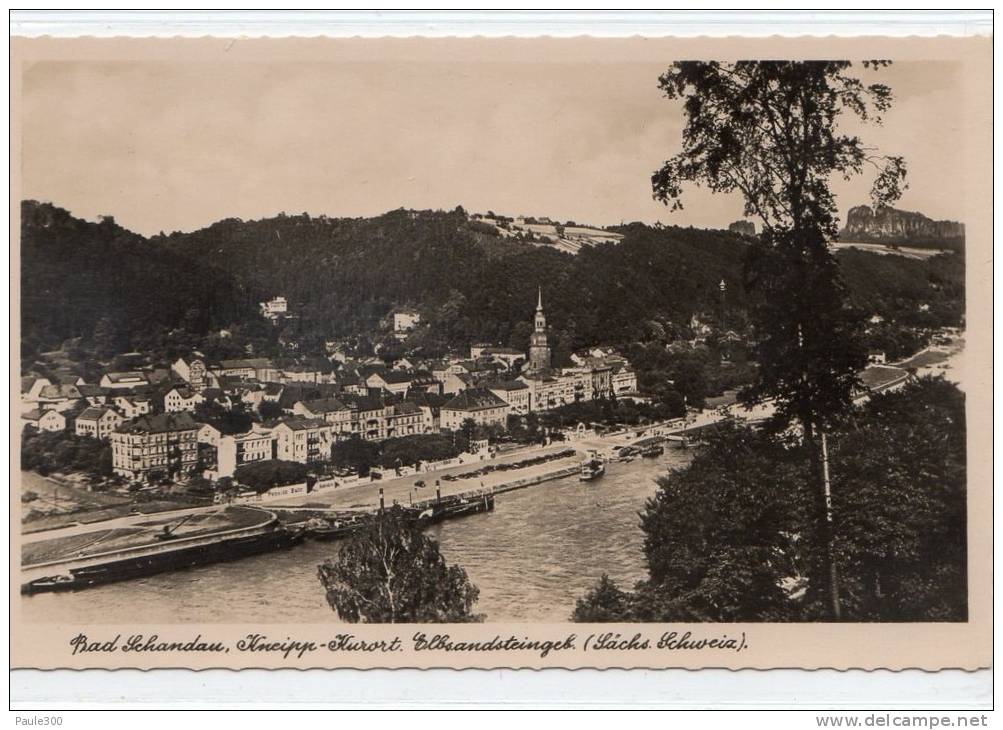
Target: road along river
539,550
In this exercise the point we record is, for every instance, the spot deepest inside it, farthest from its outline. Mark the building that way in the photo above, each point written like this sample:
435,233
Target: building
406,320
331,410
303,440
127,379
97,422
50,420
152,445
256,368
623,379
478,404
507,356
95,395
274,308
133,406
370,416
194,372
394,381
58,397
182,399
405,419
255,445
539,350
31,387
233,452
876,357
514,392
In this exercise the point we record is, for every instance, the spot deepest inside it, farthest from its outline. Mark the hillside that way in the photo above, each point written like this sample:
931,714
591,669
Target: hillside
342,276
76,274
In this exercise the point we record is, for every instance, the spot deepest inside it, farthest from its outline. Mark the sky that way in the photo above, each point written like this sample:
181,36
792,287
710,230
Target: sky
166,145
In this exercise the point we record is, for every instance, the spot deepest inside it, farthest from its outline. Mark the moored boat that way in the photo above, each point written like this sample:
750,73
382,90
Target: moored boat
593,467
147,562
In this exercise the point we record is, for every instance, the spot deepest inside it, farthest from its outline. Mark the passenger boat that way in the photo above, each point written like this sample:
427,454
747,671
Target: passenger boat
449,508
593,467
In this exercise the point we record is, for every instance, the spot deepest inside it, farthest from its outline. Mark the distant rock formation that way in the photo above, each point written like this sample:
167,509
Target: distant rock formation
743,228
901,227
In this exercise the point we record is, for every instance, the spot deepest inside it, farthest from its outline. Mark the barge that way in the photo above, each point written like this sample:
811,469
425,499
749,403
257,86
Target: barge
146,560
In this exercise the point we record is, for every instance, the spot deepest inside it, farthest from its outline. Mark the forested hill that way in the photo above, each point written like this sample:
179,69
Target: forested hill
76,274
341,276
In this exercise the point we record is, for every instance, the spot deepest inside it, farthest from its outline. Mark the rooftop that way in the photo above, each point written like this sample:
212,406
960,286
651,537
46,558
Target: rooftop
160,423
474,399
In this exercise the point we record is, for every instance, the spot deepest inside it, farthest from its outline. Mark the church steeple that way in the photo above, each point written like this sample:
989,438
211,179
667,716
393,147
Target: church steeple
539,350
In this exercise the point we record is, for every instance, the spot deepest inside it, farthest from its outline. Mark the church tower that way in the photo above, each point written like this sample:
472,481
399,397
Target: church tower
539,350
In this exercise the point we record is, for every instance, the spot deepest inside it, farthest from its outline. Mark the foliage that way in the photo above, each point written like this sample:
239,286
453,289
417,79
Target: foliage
607,412
269,410
392,573
770,131
641,292
102,282
718,533
227,422
731,536
62,451
355,454
899,499
263,475
413,450
605,603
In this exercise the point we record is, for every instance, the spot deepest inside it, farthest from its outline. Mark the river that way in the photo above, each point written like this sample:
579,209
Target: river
532,557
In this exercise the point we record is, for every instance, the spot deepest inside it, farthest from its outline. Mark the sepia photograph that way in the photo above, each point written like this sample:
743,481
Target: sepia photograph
356,332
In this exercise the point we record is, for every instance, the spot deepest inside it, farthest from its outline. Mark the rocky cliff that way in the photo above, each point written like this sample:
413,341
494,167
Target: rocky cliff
901,227
743,228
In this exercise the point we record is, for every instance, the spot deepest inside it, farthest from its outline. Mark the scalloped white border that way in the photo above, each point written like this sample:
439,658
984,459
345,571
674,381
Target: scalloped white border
499,23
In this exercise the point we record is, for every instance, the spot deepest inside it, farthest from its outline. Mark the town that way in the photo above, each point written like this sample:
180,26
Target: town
210,422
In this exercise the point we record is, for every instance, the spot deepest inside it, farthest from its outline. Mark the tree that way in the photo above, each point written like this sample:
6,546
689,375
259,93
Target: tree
731,536
355,454
392,573
718,534
605,603
269,410
770,130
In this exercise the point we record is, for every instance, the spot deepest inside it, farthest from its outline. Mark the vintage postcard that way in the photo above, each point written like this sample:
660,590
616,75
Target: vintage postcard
641,352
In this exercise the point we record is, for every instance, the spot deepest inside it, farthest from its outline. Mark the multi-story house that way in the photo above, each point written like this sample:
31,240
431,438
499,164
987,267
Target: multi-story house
478,404
370,416
405,419
150,445
258,368
303,440
255,445
405,320
394,381
274,308
195,372
182,399
97,422
332,410
51,420
133,406
623,379
514,392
